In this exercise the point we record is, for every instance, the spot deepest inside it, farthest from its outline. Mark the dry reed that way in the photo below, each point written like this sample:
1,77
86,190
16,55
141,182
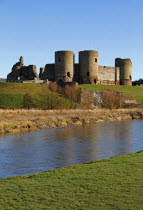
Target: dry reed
20,120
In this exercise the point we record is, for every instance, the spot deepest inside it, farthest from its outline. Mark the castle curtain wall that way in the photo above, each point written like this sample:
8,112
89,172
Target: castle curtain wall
108,75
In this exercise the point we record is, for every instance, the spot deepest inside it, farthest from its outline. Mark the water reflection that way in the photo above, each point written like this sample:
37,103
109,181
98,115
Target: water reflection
53,148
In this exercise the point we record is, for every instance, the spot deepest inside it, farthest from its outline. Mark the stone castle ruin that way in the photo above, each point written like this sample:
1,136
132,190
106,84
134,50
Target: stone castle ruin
20,72
87,71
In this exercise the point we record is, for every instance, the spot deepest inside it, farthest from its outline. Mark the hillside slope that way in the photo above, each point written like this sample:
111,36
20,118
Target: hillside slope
11,96
134,92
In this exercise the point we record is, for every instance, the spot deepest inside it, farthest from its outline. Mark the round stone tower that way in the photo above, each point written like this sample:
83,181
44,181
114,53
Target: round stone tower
21,60
64,66
125,70
88,61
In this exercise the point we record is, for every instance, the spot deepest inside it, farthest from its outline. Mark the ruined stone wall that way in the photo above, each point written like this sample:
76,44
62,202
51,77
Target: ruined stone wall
20,72
42,69
32,73
108,75
48,73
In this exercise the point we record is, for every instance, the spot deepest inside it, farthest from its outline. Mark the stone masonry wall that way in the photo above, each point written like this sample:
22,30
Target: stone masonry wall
108,75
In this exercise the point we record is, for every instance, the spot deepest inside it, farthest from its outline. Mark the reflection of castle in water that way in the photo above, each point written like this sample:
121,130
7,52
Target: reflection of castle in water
88,142
122,134
79,144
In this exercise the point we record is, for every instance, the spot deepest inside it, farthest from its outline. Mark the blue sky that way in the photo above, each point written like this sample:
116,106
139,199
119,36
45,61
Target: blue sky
36,29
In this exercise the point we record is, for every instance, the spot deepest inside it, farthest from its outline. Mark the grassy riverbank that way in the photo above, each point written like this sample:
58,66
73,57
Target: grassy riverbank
114,183
22,120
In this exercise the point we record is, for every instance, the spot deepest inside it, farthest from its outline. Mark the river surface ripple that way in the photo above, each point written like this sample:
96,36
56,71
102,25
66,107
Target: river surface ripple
53,148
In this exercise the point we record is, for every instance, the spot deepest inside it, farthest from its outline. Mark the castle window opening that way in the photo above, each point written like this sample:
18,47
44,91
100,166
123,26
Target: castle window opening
68,74
96,60
88,74
130,77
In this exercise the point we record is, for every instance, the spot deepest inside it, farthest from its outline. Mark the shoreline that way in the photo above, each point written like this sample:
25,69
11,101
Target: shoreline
22,120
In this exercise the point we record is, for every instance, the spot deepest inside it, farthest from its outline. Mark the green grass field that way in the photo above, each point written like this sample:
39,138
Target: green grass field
134,92
20,88
115,183
11,96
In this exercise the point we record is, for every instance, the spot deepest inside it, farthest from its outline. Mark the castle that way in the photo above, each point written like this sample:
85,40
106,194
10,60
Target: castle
87,71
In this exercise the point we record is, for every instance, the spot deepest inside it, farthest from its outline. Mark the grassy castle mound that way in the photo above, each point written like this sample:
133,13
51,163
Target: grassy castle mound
12,95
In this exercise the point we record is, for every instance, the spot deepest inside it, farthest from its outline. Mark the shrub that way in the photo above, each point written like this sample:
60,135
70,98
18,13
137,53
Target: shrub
52,100
53,87
111,99
72,93
87,99
28,101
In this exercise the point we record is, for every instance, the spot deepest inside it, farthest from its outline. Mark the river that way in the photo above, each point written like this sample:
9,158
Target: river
53,148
